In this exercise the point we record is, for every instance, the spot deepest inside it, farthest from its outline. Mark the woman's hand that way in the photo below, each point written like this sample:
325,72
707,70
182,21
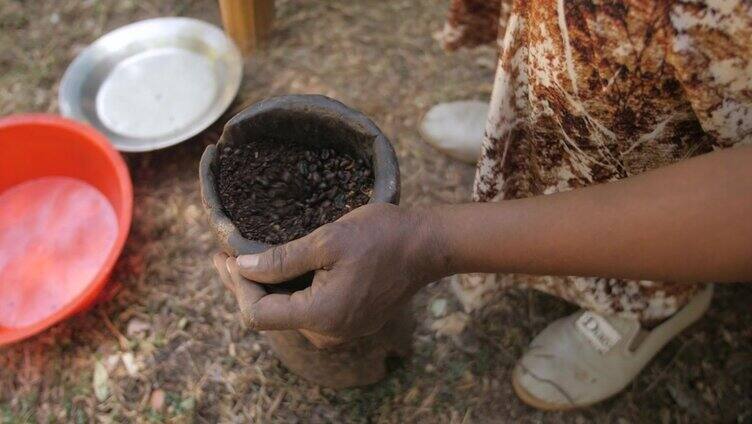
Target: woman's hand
368,263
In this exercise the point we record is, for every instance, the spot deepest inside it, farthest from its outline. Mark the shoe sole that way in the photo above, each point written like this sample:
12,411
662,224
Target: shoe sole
533,401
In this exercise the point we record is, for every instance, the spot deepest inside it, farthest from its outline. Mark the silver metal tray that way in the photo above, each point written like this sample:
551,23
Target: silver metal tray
153,83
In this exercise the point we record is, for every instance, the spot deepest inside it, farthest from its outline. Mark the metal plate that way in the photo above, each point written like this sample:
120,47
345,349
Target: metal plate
153,83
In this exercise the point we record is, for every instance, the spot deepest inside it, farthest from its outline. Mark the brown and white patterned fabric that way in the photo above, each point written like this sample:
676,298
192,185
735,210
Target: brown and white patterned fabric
589,92
471,23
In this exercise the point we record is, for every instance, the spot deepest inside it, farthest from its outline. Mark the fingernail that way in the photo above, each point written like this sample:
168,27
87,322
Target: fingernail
248,261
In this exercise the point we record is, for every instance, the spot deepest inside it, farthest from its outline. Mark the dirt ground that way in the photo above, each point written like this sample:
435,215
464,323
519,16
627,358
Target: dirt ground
167,345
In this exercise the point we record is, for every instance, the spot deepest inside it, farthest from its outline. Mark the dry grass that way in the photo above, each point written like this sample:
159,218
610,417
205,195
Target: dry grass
187,357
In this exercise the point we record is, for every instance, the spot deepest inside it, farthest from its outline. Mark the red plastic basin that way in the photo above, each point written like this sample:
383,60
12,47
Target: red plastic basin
37,146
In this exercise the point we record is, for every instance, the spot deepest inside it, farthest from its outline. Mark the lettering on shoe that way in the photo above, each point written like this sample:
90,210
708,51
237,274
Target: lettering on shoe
597,330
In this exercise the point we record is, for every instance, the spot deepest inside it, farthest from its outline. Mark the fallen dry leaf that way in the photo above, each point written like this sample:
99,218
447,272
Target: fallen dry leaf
157,400
112,362
439,307
451,325
136,326
130,364
100,382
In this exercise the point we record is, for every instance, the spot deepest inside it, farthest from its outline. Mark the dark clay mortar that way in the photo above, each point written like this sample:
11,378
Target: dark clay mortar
316,124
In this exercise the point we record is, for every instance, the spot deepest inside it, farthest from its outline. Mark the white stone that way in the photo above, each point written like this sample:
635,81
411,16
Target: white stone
456,128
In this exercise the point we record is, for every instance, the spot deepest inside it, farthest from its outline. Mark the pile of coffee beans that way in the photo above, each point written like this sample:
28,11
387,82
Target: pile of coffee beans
276,191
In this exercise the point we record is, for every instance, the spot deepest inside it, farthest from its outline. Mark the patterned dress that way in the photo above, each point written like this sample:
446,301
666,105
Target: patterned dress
589,92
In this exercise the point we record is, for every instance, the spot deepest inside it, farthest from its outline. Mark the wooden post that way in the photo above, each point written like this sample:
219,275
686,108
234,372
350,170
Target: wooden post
247,22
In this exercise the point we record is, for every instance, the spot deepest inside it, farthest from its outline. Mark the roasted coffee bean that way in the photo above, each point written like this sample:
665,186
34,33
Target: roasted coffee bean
276,191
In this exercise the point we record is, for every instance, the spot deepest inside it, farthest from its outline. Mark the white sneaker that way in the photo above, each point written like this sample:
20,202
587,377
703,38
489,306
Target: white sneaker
585,358
456,128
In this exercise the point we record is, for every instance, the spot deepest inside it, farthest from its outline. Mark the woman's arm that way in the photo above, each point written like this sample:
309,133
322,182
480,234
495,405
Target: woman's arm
687,222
